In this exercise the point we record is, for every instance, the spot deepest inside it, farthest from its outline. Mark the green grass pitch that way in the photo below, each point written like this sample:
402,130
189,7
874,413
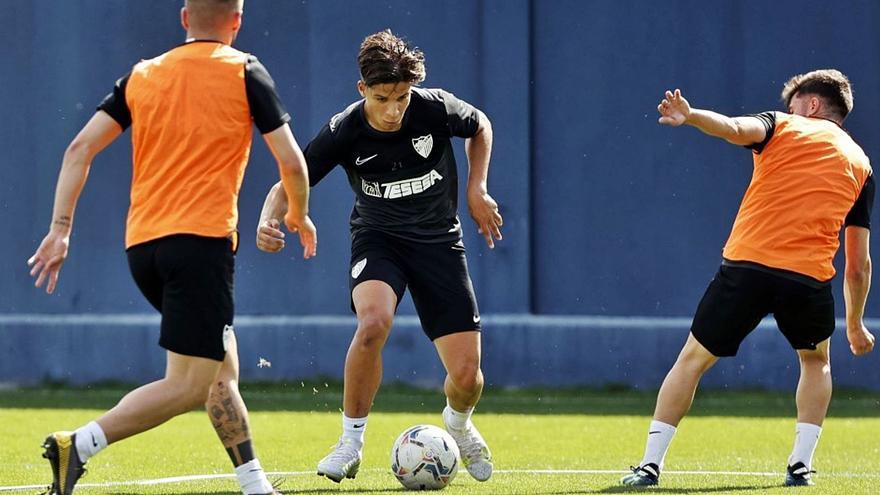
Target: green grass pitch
544,442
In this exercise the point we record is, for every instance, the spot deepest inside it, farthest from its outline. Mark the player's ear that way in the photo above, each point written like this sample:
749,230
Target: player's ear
815,103
184,18
362,88
236,25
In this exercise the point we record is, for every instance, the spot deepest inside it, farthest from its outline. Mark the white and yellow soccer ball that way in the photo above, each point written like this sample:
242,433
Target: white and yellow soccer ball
425,457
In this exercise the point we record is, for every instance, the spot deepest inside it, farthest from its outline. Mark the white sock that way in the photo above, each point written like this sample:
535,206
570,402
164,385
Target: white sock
90,440
659,438
455,419
805,441
353,429
252,478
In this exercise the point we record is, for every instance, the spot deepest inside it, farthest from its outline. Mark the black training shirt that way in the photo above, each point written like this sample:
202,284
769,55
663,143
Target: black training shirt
405,182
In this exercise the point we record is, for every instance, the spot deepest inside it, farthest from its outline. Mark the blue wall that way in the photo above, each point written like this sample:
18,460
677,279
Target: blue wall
606,212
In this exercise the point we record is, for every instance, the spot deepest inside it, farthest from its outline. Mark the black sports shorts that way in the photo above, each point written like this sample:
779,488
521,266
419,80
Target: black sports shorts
436,274
189,279
739,297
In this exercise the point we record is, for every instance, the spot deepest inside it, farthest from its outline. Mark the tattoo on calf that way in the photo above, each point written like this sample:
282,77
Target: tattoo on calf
231,413
229,418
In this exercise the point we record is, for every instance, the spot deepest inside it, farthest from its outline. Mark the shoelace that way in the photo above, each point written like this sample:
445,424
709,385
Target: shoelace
471,447
343,452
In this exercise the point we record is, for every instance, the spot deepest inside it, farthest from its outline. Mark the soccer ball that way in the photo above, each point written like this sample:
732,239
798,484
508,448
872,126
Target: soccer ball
425,457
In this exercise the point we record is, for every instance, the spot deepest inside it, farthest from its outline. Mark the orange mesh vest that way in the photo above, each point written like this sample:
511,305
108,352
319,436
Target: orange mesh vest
804,183
191,137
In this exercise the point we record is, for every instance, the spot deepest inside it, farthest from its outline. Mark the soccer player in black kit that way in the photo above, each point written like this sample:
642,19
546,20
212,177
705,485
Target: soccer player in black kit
395,146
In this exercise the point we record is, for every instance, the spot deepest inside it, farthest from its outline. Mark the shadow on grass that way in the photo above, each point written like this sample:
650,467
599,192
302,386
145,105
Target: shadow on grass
291,491
327,397
657,489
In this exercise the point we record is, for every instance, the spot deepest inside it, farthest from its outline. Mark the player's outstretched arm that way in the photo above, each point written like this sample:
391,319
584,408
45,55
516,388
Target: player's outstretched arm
295,184
743,131
856,284
483,208
96,135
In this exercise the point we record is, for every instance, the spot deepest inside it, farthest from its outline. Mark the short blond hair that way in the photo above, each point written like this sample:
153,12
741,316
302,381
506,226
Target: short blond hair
206,14
829,84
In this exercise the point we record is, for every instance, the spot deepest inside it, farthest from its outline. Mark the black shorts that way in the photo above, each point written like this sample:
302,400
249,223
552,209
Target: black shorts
188,278
436,274
738,298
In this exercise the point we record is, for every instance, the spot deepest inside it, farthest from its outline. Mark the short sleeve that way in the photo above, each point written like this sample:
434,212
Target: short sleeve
322,154
464,118
114,104
768,119
860,213
266,107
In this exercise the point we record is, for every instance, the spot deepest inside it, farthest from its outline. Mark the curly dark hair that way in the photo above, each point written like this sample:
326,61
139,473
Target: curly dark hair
829,84
385,58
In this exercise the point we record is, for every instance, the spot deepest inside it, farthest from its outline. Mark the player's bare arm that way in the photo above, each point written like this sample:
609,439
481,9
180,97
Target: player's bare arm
856,284
295,184
743,131
96,135
270,238
483,208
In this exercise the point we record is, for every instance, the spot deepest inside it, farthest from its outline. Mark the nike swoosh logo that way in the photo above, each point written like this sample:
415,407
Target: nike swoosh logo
359,161
652,432
94,443
358,426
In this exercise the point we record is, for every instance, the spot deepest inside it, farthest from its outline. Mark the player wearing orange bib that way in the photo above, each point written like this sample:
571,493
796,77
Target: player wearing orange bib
191,111
810,179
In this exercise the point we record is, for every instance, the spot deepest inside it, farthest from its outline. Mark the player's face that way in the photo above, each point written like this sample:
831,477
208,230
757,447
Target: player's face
385,104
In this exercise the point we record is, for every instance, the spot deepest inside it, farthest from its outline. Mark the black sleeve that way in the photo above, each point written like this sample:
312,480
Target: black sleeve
114,103
322,155
266,107
769,121
464,119
860,214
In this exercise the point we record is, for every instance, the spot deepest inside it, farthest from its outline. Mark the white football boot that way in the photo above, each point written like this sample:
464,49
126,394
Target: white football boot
475,454
342,462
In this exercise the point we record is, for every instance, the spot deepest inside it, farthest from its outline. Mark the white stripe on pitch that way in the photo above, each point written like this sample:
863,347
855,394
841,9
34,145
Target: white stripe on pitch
208,477
545,321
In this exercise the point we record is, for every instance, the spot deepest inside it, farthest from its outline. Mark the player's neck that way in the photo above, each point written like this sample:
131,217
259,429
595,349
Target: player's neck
195,34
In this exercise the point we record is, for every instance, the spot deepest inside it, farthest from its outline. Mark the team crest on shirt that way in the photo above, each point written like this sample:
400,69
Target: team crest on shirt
423,145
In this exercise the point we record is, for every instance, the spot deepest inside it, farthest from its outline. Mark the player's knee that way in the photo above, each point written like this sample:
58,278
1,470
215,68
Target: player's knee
373,328
196,394
467,376
191,392
815,360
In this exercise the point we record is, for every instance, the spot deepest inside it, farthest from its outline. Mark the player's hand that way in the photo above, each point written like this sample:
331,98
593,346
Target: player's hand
269,236
308,235
674,109
47,260
860,339
484,211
